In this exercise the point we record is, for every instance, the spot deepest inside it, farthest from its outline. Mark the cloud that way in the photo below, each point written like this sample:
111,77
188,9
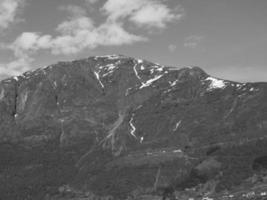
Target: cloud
80,32
76,34
75,25
8,12
143,13
172,48
155,15
29,42
23,47
192,41
117,9
75,40
91,1
15,67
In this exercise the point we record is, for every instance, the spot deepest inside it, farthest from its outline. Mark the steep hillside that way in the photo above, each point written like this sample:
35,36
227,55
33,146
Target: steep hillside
118,127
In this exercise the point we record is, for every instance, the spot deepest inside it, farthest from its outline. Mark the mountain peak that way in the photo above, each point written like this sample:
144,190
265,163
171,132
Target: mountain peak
109,120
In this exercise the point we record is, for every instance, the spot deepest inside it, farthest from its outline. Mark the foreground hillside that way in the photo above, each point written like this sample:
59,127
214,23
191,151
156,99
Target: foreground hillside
115,127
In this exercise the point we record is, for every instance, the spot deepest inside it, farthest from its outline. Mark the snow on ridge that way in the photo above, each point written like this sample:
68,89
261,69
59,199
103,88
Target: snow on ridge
215,83
111,57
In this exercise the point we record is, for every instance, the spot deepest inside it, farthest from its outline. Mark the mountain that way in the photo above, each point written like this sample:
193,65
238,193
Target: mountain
115,127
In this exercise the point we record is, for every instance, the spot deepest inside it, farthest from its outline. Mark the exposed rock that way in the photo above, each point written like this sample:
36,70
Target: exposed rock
107,124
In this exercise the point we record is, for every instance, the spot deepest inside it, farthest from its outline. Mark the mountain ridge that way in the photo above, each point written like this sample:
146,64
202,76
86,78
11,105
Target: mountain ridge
109,125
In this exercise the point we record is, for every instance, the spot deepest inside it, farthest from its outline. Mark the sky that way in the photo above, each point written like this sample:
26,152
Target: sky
226,38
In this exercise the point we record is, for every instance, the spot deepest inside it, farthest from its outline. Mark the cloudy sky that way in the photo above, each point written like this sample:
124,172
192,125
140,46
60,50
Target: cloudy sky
227,38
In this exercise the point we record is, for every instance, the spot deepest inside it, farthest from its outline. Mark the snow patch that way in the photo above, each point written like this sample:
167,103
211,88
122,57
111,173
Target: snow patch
141,140
16,78
207,198
98,78
241,86
177,125
139,61
249,195
263,194
136,73
177,151
252,89
173,83
133,129
142,67
156,69
215,83
159,68
110,68
149,82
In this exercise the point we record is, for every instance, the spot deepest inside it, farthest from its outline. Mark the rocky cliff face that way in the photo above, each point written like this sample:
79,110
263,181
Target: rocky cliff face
116,126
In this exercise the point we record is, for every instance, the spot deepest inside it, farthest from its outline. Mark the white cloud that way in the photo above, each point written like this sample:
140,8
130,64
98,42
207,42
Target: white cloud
192,41
155,15
145,13
29,41
79,34
75,25
118,9
172,47
8,12
15,67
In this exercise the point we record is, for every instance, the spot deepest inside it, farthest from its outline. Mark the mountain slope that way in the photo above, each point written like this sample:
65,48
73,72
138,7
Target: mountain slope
110,125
